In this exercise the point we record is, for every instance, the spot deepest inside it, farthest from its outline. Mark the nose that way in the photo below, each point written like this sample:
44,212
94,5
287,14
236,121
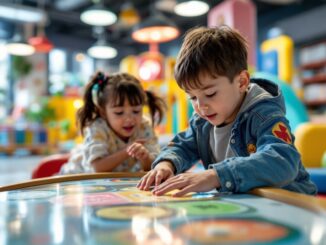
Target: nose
130,117
202,106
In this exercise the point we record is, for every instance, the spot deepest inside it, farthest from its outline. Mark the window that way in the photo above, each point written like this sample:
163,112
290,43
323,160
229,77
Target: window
68,72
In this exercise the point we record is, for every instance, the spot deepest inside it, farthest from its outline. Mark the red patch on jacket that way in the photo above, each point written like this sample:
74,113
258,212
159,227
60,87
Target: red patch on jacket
281,131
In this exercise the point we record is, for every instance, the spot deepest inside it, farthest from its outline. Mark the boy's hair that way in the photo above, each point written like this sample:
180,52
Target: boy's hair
115,90
218,51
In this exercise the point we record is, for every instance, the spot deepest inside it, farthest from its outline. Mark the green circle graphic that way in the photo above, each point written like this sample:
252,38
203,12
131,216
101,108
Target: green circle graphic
209,207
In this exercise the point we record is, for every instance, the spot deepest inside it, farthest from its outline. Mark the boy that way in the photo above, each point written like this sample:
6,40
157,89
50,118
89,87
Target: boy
239,130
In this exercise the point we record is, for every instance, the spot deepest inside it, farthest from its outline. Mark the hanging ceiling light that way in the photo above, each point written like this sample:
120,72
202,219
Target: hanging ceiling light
20,49
41,44
155,29
18,46
128,15
98,15
191,8
102,50
22,13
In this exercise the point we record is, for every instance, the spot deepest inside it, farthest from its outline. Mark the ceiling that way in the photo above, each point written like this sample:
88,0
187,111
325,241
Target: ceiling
65,29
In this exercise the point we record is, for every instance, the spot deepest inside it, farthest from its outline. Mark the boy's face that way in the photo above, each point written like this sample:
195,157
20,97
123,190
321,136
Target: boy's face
218,100
124,120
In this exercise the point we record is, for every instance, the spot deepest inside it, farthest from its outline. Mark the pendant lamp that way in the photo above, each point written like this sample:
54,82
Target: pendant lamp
40,42
101,49
128,15
155,29
21,13
98,15
191,8
19,46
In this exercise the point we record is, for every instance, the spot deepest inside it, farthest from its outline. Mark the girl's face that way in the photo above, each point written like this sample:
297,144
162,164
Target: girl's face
124,120
218,100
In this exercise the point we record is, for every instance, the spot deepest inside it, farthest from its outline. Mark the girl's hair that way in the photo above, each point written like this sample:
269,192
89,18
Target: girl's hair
115,89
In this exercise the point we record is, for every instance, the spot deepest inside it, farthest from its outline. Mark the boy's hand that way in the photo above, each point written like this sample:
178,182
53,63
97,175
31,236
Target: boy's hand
162,171
189,182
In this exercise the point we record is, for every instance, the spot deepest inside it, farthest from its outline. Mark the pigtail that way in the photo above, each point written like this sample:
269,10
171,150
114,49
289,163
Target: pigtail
91,108
156,106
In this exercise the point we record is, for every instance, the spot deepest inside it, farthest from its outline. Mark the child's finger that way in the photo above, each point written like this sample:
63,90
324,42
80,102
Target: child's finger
141,182
132,149
183,191
158,178
141,141
147,180
140,154
168,186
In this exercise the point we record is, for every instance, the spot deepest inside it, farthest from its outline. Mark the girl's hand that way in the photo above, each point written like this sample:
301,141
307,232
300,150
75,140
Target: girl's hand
162,171
189,182
138,151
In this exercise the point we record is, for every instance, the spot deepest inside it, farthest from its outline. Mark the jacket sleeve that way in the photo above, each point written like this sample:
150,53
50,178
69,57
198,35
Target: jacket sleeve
182,151
275,163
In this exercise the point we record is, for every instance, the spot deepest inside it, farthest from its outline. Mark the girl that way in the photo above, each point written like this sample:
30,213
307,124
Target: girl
117,137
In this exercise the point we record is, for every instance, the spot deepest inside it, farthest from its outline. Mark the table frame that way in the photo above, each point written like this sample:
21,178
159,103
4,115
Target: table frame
311,203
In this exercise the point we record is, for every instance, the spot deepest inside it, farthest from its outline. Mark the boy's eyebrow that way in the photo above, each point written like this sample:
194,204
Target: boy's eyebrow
203,88
209,86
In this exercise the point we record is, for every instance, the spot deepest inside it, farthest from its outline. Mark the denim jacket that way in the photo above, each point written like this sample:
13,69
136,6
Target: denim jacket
262,157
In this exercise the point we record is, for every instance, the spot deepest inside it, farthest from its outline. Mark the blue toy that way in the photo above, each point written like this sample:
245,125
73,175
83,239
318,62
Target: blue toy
318,176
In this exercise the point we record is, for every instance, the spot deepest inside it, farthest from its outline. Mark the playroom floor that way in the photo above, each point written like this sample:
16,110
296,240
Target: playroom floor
14,169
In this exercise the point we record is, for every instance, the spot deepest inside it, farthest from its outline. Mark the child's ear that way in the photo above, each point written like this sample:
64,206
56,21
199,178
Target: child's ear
244,80
102,112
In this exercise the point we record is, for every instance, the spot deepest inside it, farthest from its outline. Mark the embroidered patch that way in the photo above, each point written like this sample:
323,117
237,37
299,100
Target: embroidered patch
282,132
251,148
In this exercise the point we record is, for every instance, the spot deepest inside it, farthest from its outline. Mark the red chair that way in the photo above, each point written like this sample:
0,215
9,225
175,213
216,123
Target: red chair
323,196
50,166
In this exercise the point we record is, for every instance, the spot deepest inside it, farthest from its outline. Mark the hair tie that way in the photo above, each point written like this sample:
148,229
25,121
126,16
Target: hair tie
99,84
95,90
100,78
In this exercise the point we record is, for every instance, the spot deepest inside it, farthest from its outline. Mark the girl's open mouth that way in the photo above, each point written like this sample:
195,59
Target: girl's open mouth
129,128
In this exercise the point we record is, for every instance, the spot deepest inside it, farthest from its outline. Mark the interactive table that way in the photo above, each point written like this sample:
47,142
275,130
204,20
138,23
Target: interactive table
109,209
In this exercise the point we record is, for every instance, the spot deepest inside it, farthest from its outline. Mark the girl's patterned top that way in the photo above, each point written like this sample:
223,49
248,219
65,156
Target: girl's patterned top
100,141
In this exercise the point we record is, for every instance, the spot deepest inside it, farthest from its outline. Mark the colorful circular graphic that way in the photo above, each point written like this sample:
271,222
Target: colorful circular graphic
229,231
74,188
209,208
129,212
28,195
132,188
125,180
159,234
81,188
